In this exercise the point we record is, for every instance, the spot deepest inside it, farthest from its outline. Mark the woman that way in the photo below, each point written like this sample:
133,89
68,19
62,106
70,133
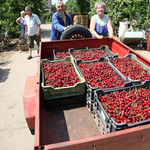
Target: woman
20,21
100,24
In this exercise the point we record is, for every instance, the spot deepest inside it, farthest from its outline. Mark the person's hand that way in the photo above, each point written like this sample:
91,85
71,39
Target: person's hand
111,36
25,34
38,33
66,27
100,37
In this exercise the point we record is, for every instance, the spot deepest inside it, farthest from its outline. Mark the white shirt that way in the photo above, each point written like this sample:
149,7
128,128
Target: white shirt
32,24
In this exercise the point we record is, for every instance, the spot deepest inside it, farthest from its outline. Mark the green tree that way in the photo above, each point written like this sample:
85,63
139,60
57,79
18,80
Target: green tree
84,6
71,7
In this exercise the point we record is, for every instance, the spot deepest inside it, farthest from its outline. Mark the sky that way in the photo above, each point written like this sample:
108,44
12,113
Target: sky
54,1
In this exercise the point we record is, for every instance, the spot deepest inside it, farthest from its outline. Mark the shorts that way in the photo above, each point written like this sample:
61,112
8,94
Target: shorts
31,40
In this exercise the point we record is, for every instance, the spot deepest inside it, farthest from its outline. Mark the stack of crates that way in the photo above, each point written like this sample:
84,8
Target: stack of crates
81,20
107,124
63,97
82,93
90,90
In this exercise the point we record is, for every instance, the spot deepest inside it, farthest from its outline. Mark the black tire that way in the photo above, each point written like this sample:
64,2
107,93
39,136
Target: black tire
76,32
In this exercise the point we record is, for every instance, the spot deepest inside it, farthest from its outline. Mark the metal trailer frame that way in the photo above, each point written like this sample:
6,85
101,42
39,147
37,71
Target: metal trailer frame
136,138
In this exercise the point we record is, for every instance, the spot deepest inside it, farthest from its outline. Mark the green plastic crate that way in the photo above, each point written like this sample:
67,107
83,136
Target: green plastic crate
50,92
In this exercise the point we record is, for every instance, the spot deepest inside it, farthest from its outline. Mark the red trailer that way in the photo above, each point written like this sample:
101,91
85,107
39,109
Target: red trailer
75,129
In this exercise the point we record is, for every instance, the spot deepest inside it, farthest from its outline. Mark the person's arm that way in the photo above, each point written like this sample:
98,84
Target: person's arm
57,24
18,21
66,27
38,22
26,30
38,33
92,29
110,28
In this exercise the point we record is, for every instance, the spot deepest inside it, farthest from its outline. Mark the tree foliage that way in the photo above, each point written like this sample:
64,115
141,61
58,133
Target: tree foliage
71,7
84,6
77,6
10,11
131,9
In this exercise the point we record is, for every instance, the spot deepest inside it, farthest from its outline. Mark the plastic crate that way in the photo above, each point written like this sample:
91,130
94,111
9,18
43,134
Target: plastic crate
55,51
89,102
132,56
100,124
50,92
65,103
90,90
103,47
90,105
108,122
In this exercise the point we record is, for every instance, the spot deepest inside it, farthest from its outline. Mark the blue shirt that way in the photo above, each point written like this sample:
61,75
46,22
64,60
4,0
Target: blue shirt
101,25
58,25
32,24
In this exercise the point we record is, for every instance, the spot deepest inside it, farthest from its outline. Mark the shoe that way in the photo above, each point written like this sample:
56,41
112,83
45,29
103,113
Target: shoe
29,57
38,51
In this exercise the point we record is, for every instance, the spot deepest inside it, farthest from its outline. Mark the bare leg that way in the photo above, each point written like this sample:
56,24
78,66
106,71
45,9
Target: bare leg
38,40
30,51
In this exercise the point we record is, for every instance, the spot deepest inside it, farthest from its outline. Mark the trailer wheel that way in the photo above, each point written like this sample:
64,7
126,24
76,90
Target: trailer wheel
76,32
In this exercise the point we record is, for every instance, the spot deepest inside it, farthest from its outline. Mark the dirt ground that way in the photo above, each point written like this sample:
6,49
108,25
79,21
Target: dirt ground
5,54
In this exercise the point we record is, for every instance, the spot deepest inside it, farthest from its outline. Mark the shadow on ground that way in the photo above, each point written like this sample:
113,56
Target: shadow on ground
4,74
45,34
5,63
137,48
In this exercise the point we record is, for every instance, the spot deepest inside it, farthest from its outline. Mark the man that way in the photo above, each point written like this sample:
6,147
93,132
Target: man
32,29
60,21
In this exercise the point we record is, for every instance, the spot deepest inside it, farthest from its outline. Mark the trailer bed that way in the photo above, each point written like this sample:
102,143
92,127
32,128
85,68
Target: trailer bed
75,129
67,125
